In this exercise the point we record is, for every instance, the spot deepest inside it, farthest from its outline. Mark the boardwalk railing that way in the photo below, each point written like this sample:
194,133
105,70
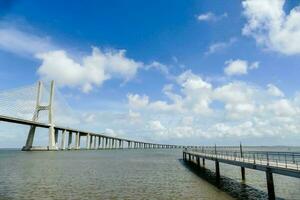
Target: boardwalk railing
279,162
289,160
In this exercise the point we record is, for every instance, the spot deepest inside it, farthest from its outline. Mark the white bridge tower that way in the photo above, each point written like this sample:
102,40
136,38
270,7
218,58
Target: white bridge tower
51,145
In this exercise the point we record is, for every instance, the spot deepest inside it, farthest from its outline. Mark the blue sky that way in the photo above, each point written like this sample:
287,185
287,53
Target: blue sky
176,71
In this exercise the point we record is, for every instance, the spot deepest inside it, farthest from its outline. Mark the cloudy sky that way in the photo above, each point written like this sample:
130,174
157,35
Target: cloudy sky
186,72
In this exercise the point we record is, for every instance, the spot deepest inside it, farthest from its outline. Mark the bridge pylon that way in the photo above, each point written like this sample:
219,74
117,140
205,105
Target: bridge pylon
29,142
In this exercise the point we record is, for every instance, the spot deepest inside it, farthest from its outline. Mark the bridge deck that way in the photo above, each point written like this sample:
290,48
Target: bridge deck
81,132
289,166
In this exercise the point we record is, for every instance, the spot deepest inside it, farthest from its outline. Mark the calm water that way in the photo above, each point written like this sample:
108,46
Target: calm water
128,174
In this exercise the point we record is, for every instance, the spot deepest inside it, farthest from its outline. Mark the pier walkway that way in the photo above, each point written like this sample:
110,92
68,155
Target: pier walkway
283,163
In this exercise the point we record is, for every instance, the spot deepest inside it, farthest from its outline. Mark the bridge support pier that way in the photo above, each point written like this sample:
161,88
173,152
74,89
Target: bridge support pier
99,142
56,137
87,141
95,138
63,138
77,141
270,184
29,140
69,140
203,162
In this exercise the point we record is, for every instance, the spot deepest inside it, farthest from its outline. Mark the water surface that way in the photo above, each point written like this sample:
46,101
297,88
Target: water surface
122,174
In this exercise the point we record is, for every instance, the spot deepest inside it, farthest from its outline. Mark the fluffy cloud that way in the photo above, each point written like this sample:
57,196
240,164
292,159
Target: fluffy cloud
22,43
244,110
209,16
274,91
92,71
218,46
271,27
84,72
239,67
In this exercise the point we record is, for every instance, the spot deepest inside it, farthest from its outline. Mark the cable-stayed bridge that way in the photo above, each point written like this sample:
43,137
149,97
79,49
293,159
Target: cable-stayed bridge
16,111
17,106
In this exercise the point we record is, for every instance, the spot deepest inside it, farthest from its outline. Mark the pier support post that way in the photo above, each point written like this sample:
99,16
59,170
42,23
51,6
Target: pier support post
203,162
270,184
198,161
217,170
242,168
243,173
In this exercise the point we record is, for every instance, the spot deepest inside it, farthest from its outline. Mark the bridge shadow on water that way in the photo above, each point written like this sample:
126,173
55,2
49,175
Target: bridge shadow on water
235,189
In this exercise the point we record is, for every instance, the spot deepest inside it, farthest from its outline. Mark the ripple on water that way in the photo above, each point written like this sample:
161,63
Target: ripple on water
109,174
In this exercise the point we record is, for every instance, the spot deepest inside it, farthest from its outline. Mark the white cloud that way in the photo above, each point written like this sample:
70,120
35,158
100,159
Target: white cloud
23,43
244,110
137,101
158,66
84,72
271,27
209,16
274,91
215,47
92,71
239,67
283,107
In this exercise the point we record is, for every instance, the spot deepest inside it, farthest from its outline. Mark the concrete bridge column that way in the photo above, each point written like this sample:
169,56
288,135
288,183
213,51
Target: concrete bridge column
70,140
106,142
76,146
91,142
114,143
87,141
56,138
120,144
95,142
99,142
79,138
63,138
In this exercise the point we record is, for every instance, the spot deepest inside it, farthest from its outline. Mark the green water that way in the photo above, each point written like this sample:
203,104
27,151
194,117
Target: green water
125,174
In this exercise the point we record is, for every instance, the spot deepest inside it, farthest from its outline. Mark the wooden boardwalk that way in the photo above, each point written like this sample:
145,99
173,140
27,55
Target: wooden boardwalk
283,163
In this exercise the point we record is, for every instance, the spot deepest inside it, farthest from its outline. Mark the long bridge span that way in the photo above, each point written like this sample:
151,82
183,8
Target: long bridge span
70,138
93,140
